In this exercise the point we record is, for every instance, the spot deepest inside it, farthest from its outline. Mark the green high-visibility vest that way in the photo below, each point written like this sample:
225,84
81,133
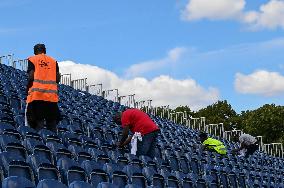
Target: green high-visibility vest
216,145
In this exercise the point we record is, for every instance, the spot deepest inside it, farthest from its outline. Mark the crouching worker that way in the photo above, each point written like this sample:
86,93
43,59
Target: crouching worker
211,144
138,123
248,145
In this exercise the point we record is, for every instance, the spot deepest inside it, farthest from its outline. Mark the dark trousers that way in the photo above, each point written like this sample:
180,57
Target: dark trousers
42,114
147,145
251,149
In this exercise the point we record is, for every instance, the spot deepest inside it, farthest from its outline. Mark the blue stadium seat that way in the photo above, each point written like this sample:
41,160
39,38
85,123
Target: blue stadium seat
102,158
49,183
4,127
118,177
135,175
88,142
95,152
80,184
43,168
49,136
173,162
241,180
59,150
71,170
106,185
153,177
183,164
17,182
170,179
132,186
22,169
201,183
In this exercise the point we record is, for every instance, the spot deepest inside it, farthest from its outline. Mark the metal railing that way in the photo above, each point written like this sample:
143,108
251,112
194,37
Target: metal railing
21,64
215,129
95,89
65,79
274,149
80,84
7,60
111,94
232,135
127,100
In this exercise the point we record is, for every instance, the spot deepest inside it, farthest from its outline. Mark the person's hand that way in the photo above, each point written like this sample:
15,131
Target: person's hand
118,144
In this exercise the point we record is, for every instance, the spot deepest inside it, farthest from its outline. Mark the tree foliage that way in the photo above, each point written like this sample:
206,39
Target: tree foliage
266,121
220,112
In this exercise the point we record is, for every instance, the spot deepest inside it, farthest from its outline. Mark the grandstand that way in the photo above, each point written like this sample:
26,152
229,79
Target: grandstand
82,153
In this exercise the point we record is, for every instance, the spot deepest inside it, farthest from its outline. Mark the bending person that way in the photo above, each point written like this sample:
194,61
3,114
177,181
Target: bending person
211,144
248,145
138,122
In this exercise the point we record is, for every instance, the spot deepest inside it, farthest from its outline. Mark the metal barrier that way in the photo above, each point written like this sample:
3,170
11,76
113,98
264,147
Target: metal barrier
111,94
260,143
196,123
233,135
95,89
215,129
7,60
127,100
80,84
65,79
21,64
274,149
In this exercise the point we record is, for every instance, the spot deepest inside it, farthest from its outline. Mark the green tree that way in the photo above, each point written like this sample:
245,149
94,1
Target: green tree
220,112
267,121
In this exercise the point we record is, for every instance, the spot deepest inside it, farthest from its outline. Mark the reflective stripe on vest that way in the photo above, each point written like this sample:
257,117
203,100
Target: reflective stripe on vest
44,86
45,82
43,90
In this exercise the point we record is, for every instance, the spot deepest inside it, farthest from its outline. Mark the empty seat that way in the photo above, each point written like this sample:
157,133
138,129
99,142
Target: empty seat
107,185
43,168
153,177
17,182
22,169
49,183
71,170
80,184
59,150
170,179
184,179
135,175
118,177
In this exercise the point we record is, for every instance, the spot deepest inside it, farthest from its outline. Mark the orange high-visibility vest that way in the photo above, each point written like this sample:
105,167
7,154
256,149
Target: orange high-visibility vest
44,86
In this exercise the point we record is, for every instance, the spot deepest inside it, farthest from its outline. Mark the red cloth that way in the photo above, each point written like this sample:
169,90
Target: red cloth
138,121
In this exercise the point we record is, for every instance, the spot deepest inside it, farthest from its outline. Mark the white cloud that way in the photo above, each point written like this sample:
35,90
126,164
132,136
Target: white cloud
163,90
269,16
140,68
213,9
260,82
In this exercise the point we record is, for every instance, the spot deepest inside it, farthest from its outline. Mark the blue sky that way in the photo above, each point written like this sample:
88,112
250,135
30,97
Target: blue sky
221,50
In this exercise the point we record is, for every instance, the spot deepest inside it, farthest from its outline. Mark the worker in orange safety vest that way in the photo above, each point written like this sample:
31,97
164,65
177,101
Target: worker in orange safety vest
42,96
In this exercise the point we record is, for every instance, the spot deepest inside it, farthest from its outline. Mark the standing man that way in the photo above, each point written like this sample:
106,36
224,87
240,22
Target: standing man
211,144
248,145
138,122
43,77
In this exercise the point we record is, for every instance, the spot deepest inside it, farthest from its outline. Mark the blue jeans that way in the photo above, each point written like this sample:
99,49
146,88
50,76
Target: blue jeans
147,145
